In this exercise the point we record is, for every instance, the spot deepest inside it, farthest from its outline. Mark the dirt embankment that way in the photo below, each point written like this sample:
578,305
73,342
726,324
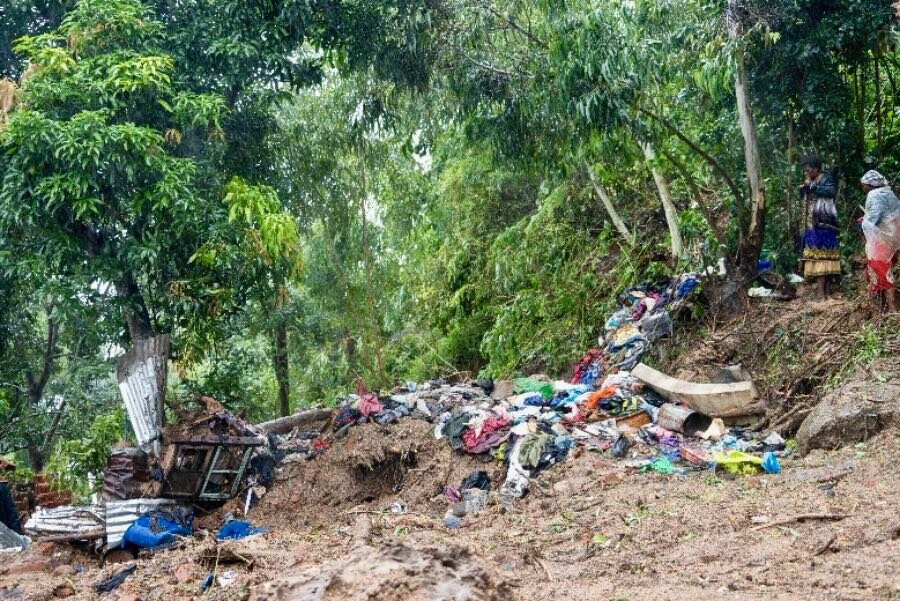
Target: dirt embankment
827,527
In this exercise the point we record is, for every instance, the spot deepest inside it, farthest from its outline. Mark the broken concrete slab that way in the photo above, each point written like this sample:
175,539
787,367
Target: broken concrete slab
715,400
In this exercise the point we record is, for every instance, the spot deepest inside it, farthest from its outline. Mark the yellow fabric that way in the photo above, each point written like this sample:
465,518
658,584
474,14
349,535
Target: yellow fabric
816,267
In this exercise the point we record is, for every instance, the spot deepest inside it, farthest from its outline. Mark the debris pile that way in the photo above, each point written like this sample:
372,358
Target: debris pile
150,491
613,404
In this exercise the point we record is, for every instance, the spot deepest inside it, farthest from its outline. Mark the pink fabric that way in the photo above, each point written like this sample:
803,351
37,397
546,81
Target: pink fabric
369,404
476,441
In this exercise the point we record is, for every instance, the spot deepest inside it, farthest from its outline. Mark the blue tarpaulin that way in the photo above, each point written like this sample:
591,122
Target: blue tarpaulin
158,528
237,529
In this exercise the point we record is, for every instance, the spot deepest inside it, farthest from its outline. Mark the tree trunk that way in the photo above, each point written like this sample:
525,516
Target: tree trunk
608,205
668,206
878,117
367,266
789,201
36,387
282,366
704,208
752,241
136,315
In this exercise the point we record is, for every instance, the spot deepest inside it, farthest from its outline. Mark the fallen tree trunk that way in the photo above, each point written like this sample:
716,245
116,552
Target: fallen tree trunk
304,419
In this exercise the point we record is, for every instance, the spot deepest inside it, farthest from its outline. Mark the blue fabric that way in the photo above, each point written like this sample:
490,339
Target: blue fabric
770,463
590,374
686,287
236,529
157,528
535,400
817,237
564,442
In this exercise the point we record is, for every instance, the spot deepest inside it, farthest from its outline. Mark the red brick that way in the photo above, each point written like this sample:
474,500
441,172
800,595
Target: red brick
30,566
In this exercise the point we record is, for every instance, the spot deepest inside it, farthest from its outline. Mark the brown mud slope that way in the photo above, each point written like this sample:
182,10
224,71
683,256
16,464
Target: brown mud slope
827,527
391,572
796,351
588,529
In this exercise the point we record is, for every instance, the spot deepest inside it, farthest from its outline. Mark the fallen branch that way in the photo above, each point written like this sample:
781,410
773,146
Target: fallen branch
826,546
283,425
800,518
73,538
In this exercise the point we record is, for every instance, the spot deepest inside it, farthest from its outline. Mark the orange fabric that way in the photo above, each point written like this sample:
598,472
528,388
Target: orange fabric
590,404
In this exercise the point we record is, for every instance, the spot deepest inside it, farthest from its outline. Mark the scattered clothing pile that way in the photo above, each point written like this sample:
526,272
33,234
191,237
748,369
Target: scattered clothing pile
643,317
530,424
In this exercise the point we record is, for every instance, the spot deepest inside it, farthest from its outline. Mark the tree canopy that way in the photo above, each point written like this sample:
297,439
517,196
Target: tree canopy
305,193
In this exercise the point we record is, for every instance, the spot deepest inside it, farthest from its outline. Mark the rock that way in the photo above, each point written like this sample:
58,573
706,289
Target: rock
63,590
392,571
30,566
63,570
571,487
118,556
128,597
850,414
184,573
503,389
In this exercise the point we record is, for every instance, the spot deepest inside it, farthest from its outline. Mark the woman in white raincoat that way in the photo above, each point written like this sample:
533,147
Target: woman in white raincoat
881,225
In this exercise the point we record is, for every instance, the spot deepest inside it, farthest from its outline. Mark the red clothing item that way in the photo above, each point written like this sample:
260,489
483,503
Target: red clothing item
490,436
880,274
592,356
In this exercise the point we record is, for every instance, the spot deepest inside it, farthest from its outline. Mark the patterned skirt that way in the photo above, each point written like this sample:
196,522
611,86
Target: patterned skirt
820,253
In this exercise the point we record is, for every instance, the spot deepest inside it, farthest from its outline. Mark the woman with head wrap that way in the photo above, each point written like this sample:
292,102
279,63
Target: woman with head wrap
881,225
821,257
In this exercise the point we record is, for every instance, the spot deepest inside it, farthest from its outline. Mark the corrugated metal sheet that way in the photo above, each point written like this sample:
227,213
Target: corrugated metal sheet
141,374
68,519
126,471
121,514
10,539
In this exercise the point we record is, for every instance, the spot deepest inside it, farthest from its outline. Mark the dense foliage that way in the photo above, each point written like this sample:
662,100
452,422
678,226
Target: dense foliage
307,193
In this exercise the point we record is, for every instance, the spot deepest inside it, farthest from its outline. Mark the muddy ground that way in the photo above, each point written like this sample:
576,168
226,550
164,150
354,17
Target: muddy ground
590,528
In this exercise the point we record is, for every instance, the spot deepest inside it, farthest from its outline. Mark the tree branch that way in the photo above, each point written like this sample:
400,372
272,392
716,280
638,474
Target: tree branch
717,167
51,431
49,354
21,389
513,25
483,65
701,202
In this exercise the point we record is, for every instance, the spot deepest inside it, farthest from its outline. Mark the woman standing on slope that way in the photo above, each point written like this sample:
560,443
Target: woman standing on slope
821,258
881,225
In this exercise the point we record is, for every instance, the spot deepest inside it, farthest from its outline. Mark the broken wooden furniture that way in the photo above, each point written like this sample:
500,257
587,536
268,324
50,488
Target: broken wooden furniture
207,462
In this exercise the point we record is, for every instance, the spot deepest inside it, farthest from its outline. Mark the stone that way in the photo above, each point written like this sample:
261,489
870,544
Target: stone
851,413
63,570
184,573
128,597
63,590
502,389
118,556
30,566
571,487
